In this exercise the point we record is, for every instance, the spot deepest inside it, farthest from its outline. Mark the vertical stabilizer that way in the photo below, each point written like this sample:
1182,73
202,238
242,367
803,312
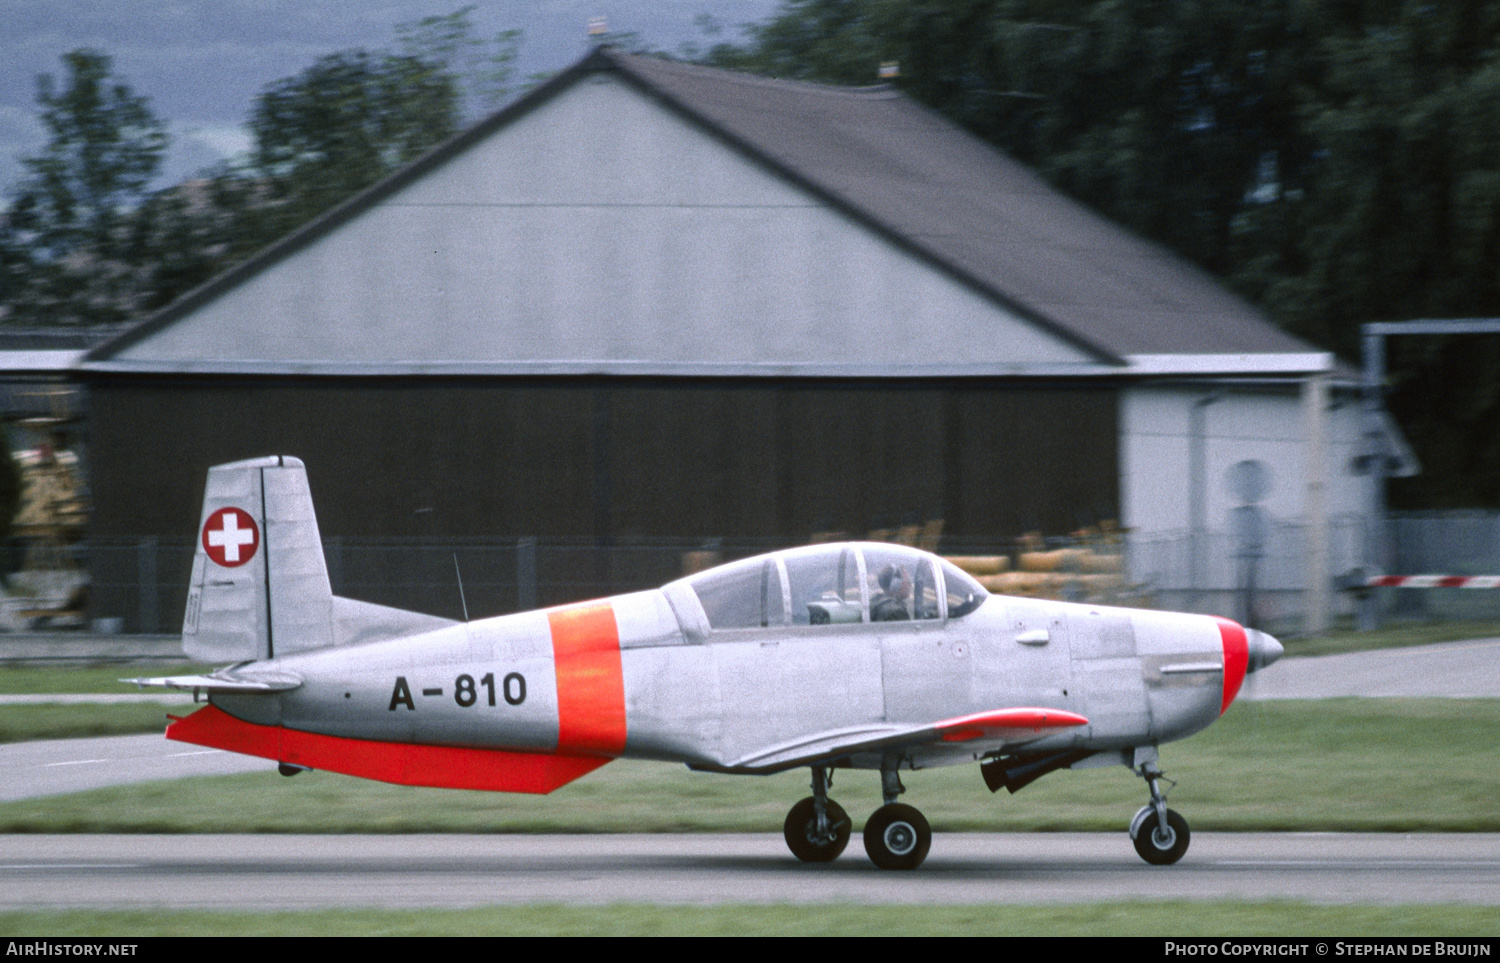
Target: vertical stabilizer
260,585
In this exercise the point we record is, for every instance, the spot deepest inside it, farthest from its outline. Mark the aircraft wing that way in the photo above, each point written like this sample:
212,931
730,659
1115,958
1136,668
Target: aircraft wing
1012,725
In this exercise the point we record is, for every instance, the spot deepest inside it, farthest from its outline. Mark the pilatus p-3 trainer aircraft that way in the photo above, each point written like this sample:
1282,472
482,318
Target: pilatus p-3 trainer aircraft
833,656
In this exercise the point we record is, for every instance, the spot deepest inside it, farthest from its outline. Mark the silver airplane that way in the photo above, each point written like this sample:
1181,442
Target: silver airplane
852,655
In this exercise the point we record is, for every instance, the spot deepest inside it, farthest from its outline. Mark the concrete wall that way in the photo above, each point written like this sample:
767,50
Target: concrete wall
1243,423
1267,424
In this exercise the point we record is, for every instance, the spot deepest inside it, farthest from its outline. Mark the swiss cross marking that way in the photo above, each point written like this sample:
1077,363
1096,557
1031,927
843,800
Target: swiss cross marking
230,537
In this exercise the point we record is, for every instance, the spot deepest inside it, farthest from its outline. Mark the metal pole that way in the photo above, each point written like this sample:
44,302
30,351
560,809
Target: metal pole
1368,616
146,572
1197,497
1377,543
525,574
1315,403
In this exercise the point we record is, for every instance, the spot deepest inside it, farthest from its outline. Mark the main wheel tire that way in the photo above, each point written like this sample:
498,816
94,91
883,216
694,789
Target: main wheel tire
801,832
897,837
1158,847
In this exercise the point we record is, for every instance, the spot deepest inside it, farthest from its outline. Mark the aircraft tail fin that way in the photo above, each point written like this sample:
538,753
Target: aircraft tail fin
259,586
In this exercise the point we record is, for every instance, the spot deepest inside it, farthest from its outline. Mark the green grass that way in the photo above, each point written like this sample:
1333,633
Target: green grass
49,679
1327,765
1393,636
24,723
1174,918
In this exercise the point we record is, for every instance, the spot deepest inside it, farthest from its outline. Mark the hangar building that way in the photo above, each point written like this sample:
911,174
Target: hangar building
654,300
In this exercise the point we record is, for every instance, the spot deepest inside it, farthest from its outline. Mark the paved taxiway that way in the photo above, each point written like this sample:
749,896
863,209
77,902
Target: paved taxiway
50,767
290,872
298,872
1458,670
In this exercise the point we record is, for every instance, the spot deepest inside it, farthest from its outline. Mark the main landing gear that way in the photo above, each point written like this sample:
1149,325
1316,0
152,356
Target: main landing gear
817,828
1160,834
897,836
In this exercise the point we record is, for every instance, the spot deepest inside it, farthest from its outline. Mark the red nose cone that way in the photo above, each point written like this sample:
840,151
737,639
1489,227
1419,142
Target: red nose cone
1236,658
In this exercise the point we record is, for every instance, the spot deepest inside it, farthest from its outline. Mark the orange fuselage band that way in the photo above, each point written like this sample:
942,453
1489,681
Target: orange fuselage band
590,679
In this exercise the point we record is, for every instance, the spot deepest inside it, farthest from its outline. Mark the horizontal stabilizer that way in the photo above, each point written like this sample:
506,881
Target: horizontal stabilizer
356,622
998,726
214,683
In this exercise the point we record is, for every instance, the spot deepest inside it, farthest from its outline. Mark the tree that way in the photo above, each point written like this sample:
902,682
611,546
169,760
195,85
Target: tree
67,255
341,125
481,70
87,242
1337,163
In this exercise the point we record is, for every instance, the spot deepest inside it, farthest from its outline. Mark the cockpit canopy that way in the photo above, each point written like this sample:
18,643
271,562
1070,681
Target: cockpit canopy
835,584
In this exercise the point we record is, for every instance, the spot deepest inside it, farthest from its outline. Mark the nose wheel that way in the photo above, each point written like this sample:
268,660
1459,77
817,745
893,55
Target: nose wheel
1160,834
1158,844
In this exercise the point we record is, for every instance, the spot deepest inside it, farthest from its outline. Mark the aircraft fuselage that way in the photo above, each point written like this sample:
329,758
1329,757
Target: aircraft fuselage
623,677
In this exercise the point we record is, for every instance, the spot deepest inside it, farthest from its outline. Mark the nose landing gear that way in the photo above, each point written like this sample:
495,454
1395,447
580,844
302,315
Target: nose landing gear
1160,834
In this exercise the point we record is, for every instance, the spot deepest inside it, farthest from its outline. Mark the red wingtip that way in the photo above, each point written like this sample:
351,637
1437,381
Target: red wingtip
965,728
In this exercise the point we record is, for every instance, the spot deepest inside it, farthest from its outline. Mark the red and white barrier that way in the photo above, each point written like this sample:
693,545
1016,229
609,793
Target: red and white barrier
1434,581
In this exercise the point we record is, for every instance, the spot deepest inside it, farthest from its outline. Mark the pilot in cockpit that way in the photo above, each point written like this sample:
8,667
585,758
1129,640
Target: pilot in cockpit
892,603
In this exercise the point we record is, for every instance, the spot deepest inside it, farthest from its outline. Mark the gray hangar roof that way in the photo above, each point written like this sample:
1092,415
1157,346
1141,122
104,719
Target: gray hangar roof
642,216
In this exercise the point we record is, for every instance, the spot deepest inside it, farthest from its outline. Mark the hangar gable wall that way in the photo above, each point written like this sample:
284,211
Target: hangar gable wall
602,226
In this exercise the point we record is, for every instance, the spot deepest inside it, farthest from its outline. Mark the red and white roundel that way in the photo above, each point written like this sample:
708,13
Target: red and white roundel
230,537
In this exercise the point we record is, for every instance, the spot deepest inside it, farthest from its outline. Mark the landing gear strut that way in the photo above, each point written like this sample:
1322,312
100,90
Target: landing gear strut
896,835
817,828
1160,834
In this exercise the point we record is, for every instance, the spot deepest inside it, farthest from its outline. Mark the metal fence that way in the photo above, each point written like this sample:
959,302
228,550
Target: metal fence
1448,542
141,584
1445,543
1268,588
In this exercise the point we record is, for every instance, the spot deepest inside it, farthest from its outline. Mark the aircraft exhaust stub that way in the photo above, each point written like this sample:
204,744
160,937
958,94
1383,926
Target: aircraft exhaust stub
846,655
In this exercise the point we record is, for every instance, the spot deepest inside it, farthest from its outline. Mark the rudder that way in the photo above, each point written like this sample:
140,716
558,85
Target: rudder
259,586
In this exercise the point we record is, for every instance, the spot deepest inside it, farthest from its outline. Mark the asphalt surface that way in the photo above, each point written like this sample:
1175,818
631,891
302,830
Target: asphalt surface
298,872
1447,670
302,872
51,767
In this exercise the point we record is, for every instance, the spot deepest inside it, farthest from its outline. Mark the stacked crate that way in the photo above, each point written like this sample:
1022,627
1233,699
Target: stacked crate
1089,567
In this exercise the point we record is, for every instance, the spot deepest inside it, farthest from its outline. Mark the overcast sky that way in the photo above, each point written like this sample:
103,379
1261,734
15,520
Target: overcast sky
202,62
